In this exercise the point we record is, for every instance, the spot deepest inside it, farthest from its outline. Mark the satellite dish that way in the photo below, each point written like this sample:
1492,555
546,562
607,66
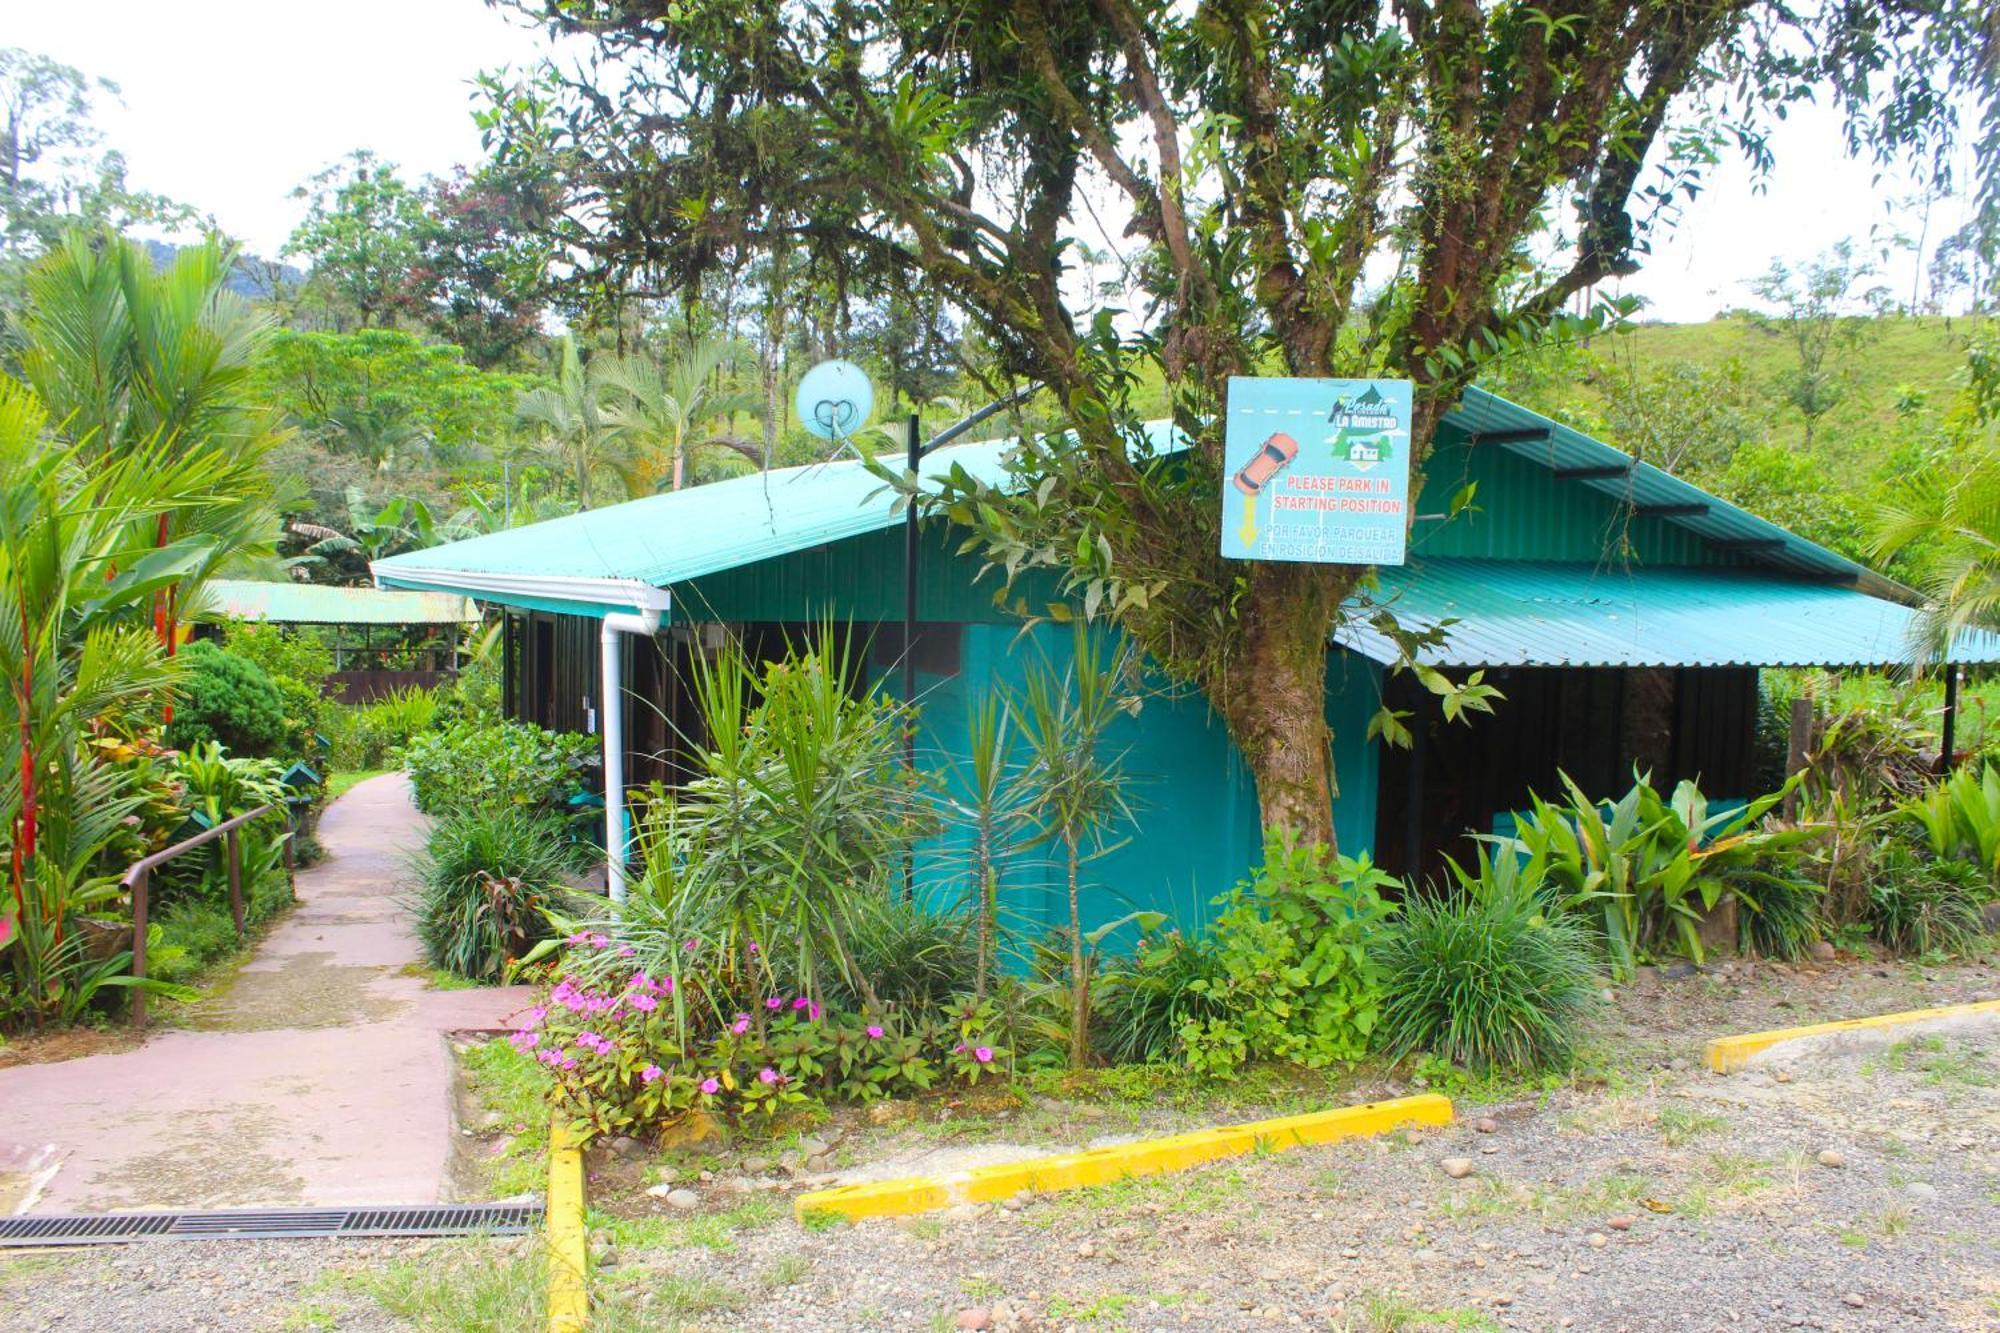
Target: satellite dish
835,400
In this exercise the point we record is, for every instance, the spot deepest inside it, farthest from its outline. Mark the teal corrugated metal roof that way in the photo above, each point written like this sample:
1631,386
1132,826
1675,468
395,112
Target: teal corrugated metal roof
625,555
1492,421
322,604
1537,613
602,556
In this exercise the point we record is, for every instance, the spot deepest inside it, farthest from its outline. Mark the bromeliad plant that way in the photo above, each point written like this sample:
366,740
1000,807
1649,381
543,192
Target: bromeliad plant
1646,868
1960,818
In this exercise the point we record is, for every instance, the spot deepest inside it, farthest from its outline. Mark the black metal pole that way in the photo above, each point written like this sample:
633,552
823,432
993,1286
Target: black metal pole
1950,727
916,458
910,587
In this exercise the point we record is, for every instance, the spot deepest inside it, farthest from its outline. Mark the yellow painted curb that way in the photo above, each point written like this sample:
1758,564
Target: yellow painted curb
1728,1054
569,1261
989,1184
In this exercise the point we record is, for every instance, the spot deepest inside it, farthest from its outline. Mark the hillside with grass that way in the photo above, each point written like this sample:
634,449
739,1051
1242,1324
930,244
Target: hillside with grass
1718,404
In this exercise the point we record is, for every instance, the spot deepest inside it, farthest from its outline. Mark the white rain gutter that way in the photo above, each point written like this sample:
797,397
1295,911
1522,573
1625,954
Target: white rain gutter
652,604
548,587
611,708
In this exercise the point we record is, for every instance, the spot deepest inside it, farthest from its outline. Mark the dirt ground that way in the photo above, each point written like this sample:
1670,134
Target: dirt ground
1854,1190
1843,1190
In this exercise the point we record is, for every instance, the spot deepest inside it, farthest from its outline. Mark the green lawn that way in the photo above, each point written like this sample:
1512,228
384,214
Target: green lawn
338,783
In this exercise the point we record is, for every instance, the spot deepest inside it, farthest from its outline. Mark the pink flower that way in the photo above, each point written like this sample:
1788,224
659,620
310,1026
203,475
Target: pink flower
741,1025
536,1015
875,1031
577,938
774,1003
627,951
600,941
526,1039
645,1003
767,1075
650,1073
666,985
753,946
690,946
801,1003
983,1054
711,1085
958,1049
812,1011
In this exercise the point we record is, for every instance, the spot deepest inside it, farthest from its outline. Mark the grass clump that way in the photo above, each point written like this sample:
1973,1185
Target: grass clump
512,1087
1486,977
483,880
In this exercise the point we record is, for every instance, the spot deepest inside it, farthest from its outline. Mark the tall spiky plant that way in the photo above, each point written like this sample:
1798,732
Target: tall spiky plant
989,806
1075,784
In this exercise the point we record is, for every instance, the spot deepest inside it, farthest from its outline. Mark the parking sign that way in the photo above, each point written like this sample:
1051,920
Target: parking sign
1316,470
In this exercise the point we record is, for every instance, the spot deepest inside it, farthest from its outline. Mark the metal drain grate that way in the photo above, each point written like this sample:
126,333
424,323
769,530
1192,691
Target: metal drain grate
499,1219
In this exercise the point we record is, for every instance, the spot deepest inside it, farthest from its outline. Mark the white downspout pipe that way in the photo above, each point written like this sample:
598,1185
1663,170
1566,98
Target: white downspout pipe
611,708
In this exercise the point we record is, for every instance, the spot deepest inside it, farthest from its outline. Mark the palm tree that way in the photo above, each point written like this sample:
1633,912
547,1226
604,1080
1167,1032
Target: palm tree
79,568
1947,518
575,420
126,358
671,404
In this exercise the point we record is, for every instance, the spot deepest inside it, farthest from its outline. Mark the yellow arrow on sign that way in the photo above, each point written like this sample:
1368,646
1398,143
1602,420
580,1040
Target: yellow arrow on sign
1248,532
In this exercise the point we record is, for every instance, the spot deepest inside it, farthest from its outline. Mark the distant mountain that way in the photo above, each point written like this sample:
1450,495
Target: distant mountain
253,277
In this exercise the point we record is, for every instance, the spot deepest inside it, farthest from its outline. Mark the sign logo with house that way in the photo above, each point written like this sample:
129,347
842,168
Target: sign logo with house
1316,470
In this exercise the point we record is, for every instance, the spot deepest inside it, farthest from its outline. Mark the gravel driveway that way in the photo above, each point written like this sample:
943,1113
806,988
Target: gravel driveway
1844,1190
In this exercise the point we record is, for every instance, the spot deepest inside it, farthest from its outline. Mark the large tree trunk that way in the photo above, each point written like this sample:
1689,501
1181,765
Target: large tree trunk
1273,698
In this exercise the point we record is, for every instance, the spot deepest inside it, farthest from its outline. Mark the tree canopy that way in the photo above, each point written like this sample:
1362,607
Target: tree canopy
1357,189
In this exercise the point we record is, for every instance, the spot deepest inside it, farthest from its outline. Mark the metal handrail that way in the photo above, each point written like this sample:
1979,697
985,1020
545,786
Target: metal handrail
138,879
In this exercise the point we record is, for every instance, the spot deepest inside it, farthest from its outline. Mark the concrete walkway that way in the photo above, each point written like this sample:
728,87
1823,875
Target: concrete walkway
319,1075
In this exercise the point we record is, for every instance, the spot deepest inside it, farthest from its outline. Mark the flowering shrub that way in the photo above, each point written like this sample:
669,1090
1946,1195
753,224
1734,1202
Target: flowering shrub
632,1055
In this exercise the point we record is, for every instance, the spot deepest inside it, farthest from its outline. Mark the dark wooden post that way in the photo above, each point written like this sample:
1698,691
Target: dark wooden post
1948,741
234,854
139,886
1798,747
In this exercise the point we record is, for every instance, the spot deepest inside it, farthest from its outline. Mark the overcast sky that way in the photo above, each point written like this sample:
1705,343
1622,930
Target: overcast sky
230,104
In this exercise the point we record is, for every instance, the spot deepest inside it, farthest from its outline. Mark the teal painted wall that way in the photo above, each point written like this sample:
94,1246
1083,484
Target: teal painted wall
857,579
1196,832
1523,512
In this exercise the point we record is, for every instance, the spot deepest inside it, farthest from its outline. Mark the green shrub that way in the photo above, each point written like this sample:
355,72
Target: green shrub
191,936
301,654
1488,975
1297,981
487,765
917,959
483,879
387,725
1960,817
1143,1007
1646,866
230,700
1779,912
1919,904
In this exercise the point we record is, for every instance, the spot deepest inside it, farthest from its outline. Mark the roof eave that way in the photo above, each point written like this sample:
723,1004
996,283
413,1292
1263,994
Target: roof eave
611,594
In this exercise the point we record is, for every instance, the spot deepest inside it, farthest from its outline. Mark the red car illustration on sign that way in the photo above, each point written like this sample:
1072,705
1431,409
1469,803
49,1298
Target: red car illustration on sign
1266,463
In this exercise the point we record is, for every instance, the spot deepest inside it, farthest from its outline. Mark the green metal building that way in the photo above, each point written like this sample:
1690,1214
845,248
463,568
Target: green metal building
1624,614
